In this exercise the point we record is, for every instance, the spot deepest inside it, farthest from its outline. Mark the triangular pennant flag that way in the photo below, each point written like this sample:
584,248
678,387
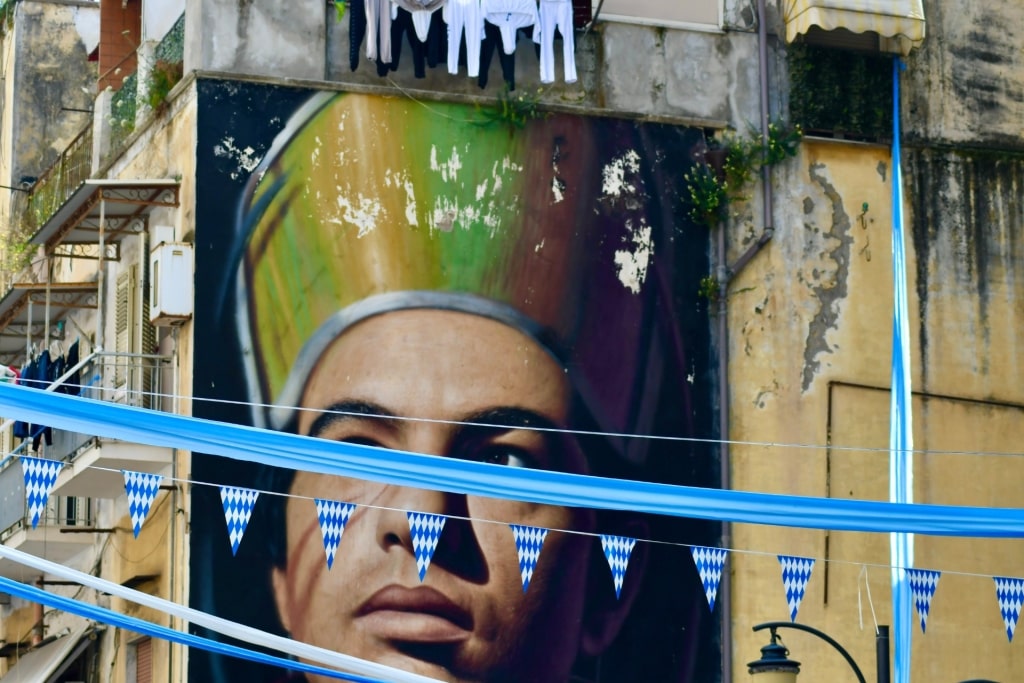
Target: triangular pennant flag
426,532
238,505
709,563
796,572
617,549
529,540
141,489
1010,593
923,583
40,476
333,517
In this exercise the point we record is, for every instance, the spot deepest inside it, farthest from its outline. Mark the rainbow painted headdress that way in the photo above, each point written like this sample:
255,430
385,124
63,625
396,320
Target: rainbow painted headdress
563,229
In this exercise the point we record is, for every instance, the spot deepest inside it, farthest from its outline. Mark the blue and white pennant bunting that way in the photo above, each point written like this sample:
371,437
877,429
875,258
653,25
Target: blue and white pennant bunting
529,541
141,489
709,562
333,516
426,532
40,476
617,550
1010,593
923,583
238,504
796,572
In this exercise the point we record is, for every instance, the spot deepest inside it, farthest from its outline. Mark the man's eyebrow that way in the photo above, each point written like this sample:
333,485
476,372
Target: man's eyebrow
509,417
353,409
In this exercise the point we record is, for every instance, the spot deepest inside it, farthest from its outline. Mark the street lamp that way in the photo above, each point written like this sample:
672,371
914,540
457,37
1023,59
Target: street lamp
776,667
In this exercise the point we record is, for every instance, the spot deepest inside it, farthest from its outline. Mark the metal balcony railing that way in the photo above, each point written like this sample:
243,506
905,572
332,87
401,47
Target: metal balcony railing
60,511
128,378
133,379
57,183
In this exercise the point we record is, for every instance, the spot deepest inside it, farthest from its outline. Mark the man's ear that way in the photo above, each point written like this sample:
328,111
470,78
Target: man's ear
282,597
604,614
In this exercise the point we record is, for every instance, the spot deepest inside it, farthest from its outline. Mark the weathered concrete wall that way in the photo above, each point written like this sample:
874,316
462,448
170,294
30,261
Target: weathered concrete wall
51,69
810,323
256,37
159,17
623,68
966,83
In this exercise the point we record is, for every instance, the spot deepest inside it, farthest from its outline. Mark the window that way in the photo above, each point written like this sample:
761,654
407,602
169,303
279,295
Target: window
840,93
140,661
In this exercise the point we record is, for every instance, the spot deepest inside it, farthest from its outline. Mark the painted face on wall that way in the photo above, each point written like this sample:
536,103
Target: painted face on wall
469,619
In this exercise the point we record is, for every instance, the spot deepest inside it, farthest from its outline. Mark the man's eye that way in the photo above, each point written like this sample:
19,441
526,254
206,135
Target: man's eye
504,455
361,441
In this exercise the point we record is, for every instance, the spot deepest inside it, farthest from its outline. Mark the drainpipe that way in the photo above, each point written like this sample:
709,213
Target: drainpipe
725,275
100,322
172,560
37,617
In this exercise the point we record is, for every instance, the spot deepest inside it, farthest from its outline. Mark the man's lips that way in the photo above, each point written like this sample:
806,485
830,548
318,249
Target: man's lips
421,615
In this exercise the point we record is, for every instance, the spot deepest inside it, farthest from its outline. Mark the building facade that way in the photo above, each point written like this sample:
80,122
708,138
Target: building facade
259,186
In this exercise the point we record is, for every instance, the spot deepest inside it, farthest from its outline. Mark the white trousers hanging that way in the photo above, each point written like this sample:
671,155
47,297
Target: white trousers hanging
464,15
421,11
378,26
555,13
510,16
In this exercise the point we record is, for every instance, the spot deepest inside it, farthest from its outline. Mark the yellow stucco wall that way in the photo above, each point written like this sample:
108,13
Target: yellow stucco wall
163,148
809,346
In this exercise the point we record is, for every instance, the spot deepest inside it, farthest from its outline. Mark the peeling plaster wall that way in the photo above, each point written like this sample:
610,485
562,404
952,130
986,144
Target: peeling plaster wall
51,69
810,348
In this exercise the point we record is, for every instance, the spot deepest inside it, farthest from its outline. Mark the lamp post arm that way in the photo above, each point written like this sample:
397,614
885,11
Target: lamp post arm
815,632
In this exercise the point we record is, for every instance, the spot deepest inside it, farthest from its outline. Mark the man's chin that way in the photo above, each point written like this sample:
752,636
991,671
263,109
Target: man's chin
433,660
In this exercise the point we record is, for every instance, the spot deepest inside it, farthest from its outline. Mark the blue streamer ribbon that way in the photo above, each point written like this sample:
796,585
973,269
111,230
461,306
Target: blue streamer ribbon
146,628
901,436
400,468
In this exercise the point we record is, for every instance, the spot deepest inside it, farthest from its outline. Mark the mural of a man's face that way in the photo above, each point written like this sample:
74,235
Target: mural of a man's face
469,620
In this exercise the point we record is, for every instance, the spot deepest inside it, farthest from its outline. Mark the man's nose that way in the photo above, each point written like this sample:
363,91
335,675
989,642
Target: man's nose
456,547
393,523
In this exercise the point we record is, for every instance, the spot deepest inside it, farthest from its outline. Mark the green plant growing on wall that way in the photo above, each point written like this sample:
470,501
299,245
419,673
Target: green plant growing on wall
709,195
514,111
162,78
709,289
842,92
713,187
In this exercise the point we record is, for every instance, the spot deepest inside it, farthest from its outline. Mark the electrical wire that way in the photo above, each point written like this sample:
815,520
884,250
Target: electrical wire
483,520
561,430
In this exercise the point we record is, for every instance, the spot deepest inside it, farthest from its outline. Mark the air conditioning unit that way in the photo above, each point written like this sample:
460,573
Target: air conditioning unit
170,290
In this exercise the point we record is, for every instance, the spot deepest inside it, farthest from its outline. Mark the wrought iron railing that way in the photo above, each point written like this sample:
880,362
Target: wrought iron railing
57,183
134,379
128,378
60,511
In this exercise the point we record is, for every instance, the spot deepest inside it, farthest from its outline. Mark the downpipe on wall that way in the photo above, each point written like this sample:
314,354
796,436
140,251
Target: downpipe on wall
725,275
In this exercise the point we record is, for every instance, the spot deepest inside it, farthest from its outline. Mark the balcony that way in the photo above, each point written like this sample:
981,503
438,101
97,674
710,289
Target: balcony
92,465
62,533
57,183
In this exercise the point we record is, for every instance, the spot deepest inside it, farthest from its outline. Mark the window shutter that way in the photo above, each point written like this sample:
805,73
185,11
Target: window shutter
122,326
144,661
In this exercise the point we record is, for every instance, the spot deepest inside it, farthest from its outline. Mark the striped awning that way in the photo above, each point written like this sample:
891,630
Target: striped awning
899,20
